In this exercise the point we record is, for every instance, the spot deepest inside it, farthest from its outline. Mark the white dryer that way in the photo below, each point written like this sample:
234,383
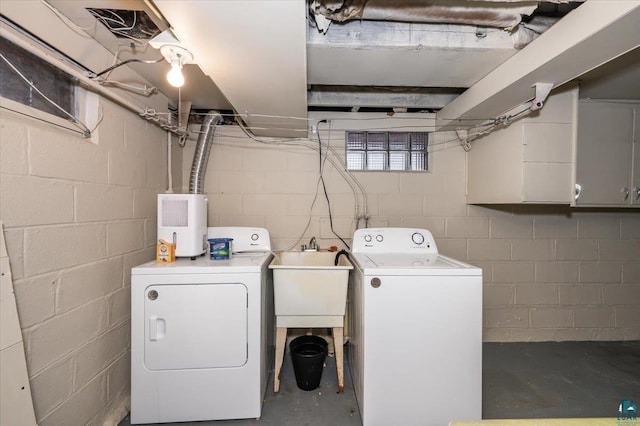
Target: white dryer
416,330
202,333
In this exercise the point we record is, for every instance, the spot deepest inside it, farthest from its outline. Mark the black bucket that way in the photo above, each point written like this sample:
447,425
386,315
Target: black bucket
308,354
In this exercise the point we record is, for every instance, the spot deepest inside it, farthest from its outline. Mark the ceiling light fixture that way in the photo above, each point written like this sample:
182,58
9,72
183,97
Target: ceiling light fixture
177,56
174,53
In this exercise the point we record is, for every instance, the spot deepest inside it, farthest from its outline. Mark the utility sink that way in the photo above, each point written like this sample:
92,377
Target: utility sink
309,289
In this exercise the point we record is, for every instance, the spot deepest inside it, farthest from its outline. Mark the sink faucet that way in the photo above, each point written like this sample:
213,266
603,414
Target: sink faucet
313,246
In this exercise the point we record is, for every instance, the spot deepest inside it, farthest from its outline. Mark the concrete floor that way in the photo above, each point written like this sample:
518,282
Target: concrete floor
559,380
520,380
294,407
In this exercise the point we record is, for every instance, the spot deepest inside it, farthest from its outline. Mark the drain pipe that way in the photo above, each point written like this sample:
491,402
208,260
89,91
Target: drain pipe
201,156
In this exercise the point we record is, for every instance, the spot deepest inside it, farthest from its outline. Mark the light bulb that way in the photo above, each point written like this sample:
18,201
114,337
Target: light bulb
175,77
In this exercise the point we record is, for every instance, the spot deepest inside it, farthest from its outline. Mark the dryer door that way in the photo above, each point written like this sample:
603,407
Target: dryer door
189,326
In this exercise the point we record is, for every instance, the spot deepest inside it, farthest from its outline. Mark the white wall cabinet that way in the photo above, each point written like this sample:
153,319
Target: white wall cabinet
607,154
580,153
529,161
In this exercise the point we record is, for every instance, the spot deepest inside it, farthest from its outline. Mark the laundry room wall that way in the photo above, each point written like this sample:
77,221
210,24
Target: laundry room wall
550,272
78,215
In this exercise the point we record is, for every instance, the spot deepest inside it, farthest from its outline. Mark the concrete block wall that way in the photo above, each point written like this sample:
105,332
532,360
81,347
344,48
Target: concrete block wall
78,215
550,272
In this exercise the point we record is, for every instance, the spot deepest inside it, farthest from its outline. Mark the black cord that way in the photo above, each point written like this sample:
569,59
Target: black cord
320,145
324,187
330,216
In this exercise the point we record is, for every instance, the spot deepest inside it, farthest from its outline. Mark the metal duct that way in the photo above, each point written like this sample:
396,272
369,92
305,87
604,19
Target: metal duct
201,156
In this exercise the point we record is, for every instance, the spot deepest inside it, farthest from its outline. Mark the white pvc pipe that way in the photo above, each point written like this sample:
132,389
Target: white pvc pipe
169,165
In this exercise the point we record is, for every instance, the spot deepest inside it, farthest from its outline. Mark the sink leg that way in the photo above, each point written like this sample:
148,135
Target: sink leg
338,343
281,339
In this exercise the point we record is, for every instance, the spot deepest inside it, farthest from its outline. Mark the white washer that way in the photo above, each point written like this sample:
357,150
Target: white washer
416,330
202,333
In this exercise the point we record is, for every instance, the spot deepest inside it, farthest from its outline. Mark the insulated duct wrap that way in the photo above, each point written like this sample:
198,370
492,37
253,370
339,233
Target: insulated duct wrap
201,156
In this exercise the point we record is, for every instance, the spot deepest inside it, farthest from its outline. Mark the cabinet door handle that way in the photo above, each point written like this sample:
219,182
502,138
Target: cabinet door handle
625,192
636,190
577,191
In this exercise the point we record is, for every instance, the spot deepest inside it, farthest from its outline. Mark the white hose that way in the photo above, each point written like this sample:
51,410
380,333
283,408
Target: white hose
169,165
306,143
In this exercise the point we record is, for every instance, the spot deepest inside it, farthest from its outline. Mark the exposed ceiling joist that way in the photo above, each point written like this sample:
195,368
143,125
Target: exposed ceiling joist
335,96
370,53
590,36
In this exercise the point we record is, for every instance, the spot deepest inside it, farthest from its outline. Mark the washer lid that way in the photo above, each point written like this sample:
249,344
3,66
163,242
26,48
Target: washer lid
410,264
392,260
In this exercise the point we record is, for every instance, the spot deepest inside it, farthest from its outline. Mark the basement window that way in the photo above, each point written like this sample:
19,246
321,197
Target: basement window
387,151
27,79
58,86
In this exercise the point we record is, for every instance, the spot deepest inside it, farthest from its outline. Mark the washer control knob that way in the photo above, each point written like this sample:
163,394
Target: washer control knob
254,237
152,295
375,282
417,238
367,238
379,238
